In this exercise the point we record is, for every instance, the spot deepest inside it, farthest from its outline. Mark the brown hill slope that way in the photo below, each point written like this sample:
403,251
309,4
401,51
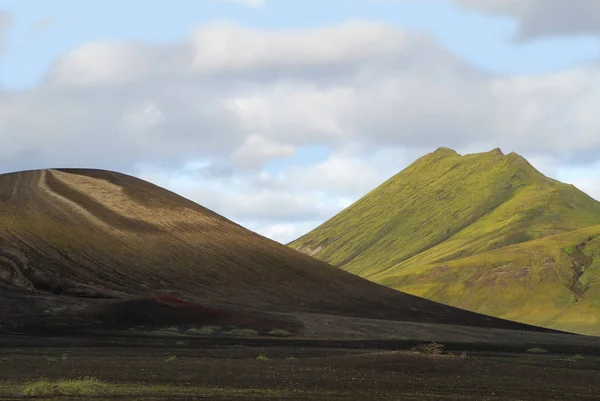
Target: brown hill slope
74,241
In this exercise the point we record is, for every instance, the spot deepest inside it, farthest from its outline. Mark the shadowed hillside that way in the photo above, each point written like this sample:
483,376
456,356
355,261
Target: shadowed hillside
443,229
91,247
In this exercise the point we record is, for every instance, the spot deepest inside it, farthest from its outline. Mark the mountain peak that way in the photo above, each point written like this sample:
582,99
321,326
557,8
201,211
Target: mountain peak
442,150
497,151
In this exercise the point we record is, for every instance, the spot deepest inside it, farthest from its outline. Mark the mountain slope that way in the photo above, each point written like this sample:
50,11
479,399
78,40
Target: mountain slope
551,282
444,208
107,247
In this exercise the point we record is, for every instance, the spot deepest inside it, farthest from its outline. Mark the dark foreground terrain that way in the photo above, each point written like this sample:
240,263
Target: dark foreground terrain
181,368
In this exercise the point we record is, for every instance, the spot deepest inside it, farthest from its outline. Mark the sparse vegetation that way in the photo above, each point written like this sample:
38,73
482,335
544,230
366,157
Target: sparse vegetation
537,350
205,330
90,388
243,332
432,348
66,388
279,333
396,337
193,330
323,370
578,357
171,358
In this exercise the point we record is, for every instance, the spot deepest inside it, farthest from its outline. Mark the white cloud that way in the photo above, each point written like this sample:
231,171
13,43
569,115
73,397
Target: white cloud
5,21
238,199
589,185
99,63
285,232
225,46
255,151
235,98
298,110
142,119
539,18
106,63
545,165
342,174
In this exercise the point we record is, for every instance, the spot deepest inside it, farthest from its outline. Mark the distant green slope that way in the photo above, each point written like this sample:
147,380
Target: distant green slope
419,229
552,282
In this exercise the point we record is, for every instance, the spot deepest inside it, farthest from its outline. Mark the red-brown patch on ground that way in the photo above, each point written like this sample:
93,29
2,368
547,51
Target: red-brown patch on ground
166,310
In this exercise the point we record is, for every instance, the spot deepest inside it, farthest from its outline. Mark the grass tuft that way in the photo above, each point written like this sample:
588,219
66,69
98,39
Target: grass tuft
537,350
205,330
66,388
243,332
279,333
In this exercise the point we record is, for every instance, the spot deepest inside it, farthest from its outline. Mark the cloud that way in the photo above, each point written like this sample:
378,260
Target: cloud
286,232
538,18
143,119
226,47
117,63
255,151
589,185
5,21
166,104
238,199
237,94
229,100
347,174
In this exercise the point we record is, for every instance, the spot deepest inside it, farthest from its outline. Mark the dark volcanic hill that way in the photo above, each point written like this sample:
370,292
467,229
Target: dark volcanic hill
100,249
485,232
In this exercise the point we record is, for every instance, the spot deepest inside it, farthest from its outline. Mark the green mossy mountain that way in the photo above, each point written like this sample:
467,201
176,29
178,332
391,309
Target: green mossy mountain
486,232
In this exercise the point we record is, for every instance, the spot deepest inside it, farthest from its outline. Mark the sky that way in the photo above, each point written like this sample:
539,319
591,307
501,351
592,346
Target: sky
278,114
